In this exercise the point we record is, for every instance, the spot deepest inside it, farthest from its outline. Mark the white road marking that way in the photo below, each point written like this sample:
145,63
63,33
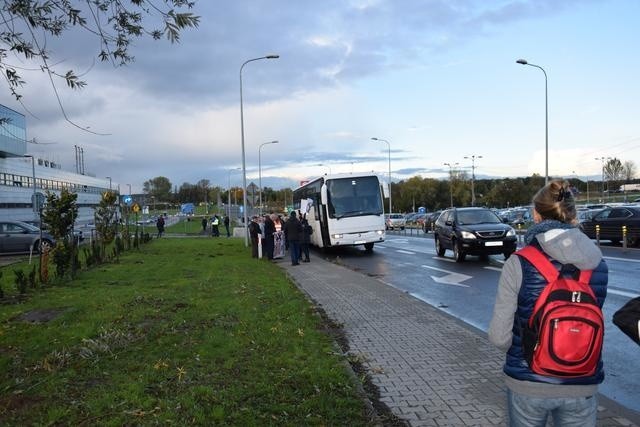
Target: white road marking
621,259
452,278
405,252
622,293
493,268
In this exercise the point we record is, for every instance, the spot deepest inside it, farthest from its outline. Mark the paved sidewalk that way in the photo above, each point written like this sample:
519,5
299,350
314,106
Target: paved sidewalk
430,368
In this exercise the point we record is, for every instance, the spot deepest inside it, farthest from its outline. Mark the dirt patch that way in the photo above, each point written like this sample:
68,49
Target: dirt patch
40,316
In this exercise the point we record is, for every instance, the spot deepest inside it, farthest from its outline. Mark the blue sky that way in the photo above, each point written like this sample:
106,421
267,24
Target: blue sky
437,79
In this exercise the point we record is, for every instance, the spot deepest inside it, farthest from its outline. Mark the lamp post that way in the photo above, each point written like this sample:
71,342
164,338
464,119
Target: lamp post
260,170
602,159
389,148
109,178
473,177
546,120
229,197
451,166
244,168
34,202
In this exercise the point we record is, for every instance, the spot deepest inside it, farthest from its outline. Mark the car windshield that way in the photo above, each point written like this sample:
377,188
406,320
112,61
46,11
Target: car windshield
477,217
29,227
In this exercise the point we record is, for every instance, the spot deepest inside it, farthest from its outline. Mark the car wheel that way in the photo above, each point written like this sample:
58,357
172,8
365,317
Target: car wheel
368,246
46,245
507,255
458,253
439,249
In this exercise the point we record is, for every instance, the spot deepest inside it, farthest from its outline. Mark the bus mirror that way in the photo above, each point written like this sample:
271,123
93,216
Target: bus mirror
323,194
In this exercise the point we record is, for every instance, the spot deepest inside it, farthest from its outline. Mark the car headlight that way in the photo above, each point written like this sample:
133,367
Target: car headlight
511,232
467,235
380,232
337,236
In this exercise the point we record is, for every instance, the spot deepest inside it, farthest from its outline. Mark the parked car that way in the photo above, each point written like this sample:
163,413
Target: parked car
19,237
394,221
430,221
76,232
611,220
473,231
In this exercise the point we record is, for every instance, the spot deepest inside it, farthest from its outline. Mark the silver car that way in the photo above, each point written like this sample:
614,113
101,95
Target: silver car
19,237
394,221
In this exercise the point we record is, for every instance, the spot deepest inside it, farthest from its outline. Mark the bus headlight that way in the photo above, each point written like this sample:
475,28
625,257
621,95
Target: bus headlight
380,232
337,236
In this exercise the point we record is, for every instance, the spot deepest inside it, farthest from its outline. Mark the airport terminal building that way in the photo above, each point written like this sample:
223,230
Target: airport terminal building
26,178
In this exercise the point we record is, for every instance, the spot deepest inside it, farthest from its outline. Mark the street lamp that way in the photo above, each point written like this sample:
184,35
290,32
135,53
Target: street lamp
260,170
603,160
389,147
546,120
34,202
229,197
473,177
244,168
451,166
109,178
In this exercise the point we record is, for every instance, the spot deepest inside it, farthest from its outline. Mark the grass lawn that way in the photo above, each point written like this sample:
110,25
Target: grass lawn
182,332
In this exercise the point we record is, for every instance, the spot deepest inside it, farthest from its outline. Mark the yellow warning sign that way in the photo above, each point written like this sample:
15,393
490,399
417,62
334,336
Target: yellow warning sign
136,207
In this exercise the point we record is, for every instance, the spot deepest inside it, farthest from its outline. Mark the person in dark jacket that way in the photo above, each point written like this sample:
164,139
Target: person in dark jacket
226,225
305,240
254,233
160,225
269,229
204,225
293,231
533,397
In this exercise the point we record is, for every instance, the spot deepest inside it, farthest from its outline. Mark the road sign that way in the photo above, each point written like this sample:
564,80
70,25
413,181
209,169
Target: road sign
135,208
128,200
422,209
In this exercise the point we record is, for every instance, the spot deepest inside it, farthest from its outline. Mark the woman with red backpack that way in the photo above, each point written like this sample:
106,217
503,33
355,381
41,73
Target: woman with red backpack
549,292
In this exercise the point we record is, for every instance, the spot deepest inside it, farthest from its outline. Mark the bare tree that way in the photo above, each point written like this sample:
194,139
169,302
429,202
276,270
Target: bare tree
629,171
613,170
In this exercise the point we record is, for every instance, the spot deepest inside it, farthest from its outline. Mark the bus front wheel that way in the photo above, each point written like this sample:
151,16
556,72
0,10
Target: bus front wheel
368,247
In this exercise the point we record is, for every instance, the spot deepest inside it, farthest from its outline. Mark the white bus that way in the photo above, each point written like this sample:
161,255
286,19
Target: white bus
345,210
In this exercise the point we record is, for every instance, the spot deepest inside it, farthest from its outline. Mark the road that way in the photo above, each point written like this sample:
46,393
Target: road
467,291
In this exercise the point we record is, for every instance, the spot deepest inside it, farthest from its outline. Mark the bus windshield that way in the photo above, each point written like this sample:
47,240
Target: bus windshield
355,196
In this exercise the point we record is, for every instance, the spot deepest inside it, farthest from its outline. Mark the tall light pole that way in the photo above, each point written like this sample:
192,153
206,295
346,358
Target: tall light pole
244,167
603,159
389,148
34,202
260,170
109,178
473,176
546,120
451,166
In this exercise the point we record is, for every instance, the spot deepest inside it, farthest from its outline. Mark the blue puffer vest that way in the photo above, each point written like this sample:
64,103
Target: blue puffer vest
533,282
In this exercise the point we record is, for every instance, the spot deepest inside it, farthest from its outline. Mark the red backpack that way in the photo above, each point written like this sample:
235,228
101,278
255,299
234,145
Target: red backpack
564,335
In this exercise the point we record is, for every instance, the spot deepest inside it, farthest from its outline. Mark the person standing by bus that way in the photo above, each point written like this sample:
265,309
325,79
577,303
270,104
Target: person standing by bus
293,231
305,240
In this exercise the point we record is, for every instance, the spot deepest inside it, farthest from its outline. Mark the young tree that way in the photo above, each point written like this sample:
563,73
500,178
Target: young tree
59,215
105,219
629,170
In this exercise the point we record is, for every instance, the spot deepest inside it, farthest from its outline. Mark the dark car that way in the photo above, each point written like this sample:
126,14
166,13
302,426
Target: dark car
430,221
473,231
20,237
610,222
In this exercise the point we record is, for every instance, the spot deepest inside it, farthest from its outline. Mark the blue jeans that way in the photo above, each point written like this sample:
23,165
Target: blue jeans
526,411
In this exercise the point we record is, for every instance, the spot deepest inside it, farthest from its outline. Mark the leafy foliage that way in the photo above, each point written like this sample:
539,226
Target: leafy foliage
158,187
105,218
26,26
60,214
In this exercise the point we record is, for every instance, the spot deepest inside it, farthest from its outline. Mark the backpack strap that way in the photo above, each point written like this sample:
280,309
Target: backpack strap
540,262
545,267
